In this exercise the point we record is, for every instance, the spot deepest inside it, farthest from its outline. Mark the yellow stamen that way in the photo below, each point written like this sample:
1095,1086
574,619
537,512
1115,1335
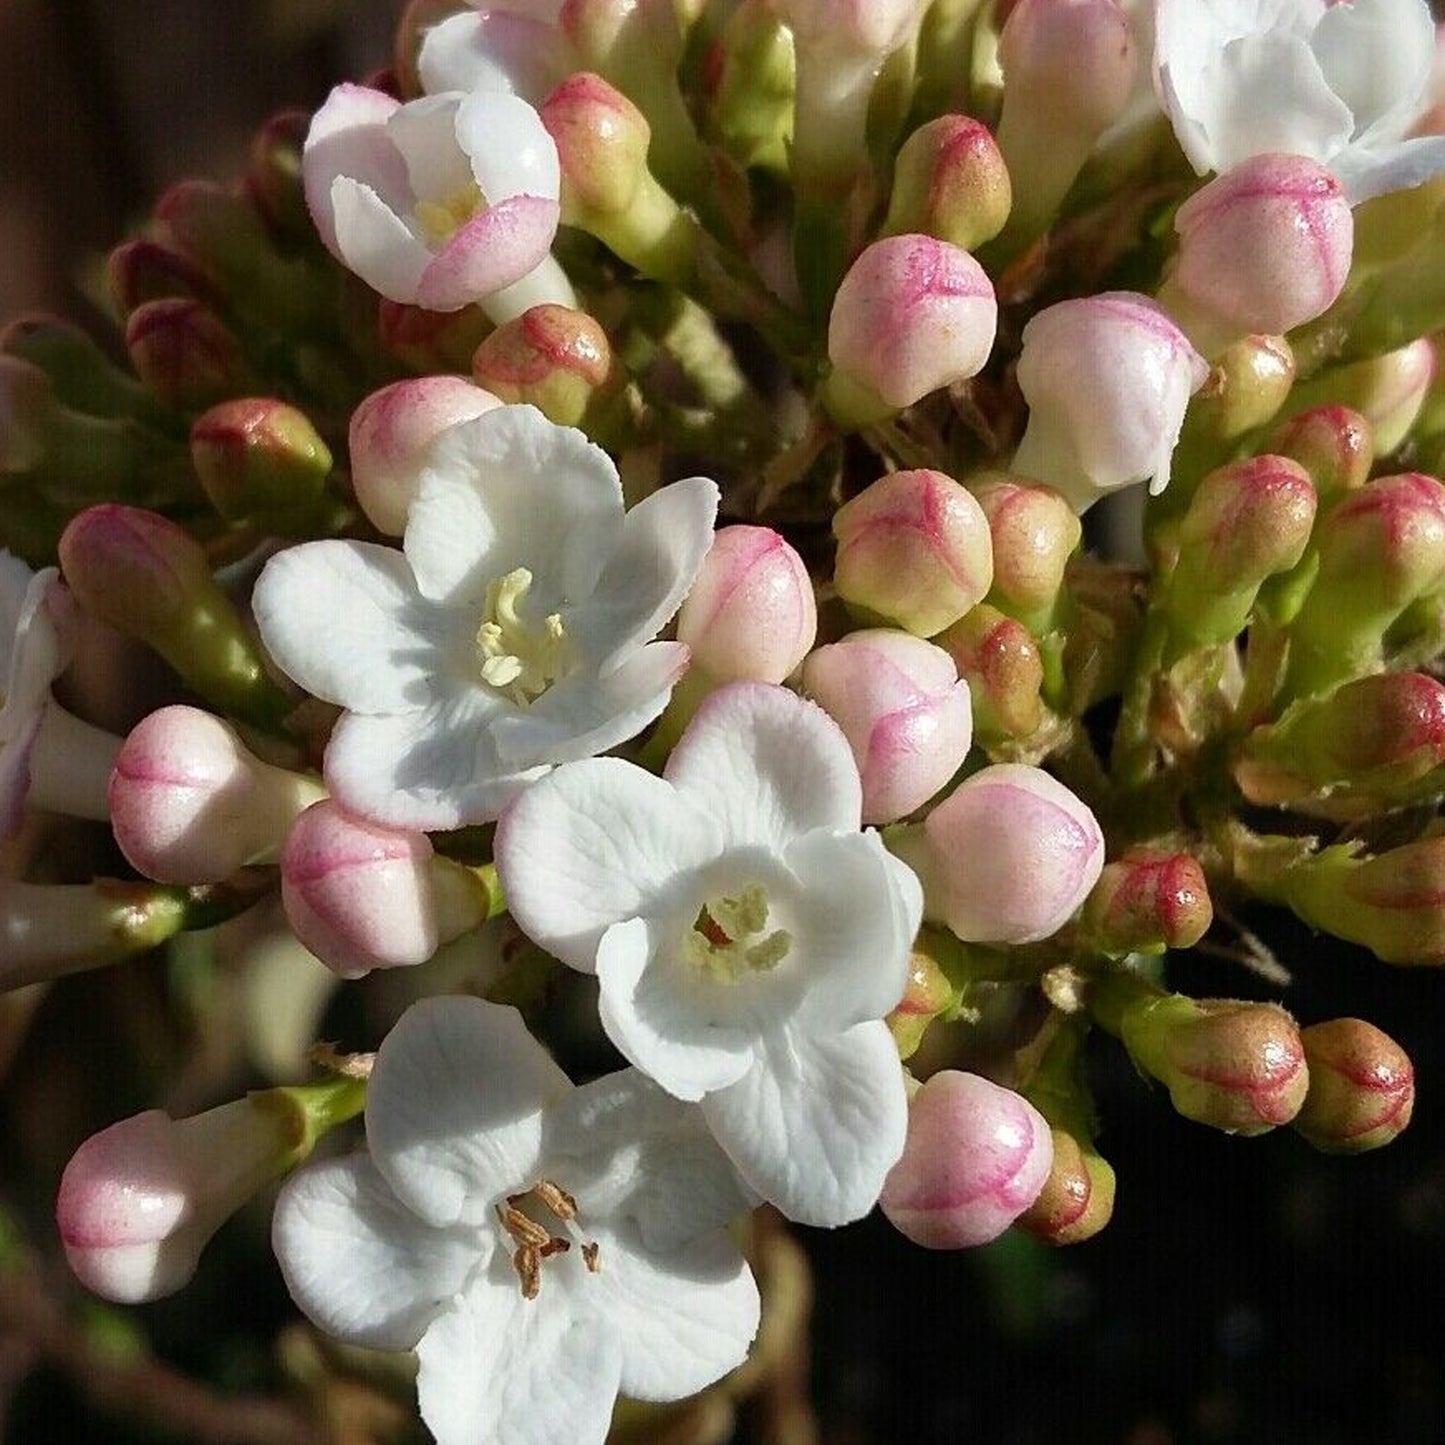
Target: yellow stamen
442,219
727,942
519,657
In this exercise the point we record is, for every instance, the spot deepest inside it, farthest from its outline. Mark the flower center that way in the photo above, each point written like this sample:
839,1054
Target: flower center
520,658
532,1232
442,219
728,941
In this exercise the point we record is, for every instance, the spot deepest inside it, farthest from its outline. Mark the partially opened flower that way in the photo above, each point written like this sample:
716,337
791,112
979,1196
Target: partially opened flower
445,201
541,1247
1340,84
513,631
748,939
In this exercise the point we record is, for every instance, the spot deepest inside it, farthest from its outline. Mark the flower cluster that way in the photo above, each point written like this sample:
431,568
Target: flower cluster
793,777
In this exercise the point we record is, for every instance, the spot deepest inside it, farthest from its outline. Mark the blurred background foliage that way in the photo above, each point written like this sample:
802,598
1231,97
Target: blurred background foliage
1246,1290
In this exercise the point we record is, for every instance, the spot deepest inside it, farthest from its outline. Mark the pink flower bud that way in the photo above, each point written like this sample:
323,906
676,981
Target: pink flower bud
145,270
976,1157
390,434
1334,444
1148,901
360,896
185,353
950,181
1107,379
427,341
1265,248
1077,1199
928,993
913,549
903,710
602,141
556,358
999,659
139,1201
1034,532
912,315
751,613
189,803
1362,1087
273,172
260,460
1012,854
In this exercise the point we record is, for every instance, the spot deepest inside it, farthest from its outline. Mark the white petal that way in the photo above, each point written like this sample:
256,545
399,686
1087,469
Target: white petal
1376,56
424,133
551,500
375,242
592,844
15,578
519,54
683,1320
510,150
432,769
497,1367
358,1262
664,539
818,1123
345,621
630,1151
855,920
38,642
767,765
454,1105
1364,173
585,714
653,1007
348,138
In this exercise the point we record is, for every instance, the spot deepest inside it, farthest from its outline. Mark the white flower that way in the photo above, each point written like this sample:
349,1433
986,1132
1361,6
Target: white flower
1340,84
541,1247
512,632
442,202
748,939
517,49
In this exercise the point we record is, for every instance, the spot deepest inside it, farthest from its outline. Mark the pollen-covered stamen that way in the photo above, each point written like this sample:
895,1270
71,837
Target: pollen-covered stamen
519,657
728,940
535,1241
441,219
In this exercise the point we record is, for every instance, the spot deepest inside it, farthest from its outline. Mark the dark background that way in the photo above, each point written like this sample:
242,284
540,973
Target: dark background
1247,1291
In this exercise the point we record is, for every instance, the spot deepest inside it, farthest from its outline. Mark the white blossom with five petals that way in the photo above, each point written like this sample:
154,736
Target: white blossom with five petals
512,632
747,937
542,1247
1338,83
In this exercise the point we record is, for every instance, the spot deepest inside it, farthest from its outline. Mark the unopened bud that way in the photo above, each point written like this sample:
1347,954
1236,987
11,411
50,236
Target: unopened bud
140,1200
1107,379
273,173
753,101
556,358
1012,853
928,993
1077,1199
145,270
751,612
185,354
28,412
190,804
903,710
391,433
1035,532
1374,737
1148,901
360,896
147,577
261,461
976,1157
912,315
427,341
1263,248
1389,390
913,549
83,376
950,182
1334,444
1362,1087
1000,660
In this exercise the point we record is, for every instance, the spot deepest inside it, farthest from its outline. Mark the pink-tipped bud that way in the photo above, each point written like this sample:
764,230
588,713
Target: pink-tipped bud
976,1157
602,141
1147,901
145,270
1393,389
260,461
1392,903
391,432
912,315
425,341
1077,1199
273,172
928,993
913,549
1034,532
556,358
1107,379
1264,248
1000,660
1247,385
751,612
1012,853
903,710
28,411
190,804
950,182
1334,444
1362,1087
360,896
185,354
